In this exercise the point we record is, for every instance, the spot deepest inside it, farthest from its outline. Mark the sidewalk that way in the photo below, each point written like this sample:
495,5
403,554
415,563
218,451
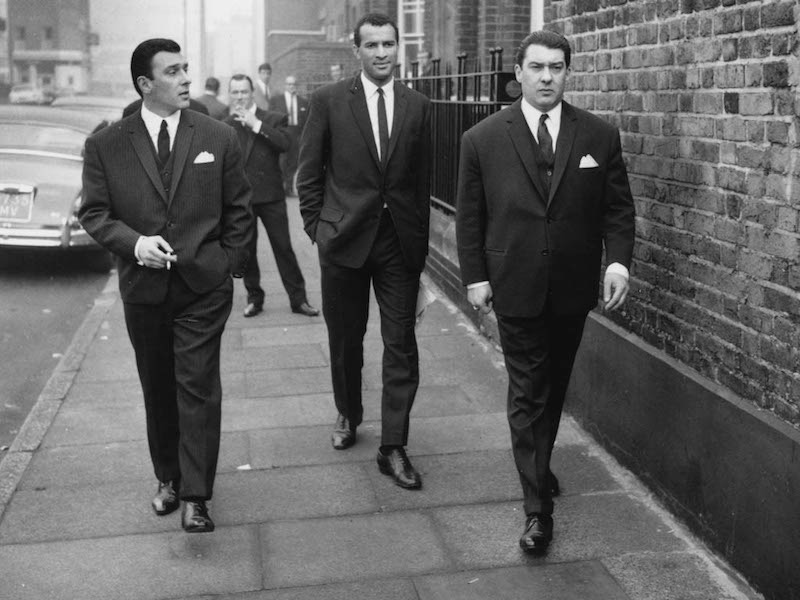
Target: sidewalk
297,519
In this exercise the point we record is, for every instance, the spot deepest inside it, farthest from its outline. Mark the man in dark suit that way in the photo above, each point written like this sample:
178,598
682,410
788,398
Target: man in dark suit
261,91
365,199
296,107
263,137
137,104
165,191
216,109
542,189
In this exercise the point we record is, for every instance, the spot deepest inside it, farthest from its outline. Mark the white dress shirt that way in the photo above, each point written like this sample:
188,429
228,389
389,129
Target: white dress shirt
371,92
291,107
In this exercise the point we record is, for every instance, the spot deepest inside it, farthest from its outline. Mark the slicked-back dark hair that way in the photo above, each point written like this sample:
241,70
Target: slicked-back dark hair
548,39
212,84
241,77
142,57
376,20
265,67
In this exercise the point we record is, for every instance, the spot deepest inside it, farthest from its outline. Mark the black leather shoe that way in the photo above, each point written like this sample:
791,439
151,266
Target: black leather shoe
194,517
552,481
252,309
538,533
305,309
344,434
396,464
166,498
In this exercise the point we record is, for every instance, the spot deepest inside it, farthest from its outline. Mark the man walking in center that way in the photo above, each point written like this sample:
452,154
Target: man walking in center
263,137
364,188
165,191
542,189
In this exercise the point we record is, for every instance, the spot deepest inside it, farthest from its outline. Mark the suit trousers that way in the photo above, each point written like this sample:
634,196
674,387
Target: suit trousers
177,346
276,223
539,354
345,305
288,159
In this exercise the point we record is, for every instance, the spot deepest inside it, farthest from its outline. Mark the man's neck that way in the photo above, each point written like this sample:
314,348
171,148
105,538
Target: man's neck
160,111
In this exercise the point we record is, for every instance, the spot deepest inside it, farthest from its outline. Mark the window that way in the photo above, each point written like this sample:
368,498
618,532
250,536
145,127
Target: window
48,33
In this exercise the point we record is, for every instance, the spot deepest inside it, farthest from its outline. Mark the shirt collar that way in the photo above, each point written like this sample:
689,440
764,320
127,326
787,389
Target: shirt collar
153,122
370,89
532,115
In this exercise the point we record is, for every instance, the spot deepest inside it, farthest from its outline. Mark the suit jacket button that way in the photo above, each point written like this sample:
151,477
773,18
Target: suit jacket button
549,173
545,252
170,224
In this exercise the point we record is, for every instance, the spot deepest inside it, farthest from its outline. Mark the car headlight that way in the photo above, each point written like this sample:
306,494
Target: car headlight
73,222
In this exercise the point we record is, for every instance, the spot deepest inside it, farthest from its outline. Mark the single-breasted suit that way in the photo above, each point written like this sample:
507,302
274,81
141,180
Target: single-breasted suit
537,233
199,202
289,159
262,153
369,219
216,109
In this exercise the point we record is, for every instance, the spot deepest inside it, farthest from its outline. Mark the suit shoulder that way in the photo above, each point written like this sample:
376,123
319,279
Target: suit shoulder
591,120
416,96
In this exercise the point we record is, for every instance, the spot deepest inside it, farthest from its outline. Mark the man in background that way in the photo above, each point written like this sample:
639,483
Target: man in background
263,136
295,107
261,91
216,109
337,72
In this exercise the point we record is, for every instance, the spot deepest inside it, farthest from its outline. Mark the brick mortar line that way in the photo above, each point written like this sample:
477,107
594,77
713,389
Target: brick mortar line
47,405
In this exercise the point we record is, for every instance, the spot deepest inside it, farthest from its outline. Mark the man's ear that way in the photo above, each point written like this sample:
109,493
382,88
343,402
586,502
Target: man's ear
145,84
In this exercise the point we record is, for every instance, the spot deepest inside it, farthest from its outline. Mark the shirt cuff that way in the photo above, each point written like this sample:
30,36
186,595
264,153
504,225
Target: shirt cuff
619,269
257,126
136,251
477,284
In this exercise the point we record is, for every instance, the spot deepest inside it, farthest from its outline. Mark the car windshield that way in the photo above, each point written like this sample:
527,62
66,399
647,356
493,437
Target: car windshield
26,136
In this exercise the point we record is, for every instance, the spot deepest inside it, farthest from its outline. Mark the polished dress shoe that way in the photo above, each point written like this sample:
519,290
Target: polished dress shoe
344,434
166,498
252,309
305,309
396,464
194,517
552,482
538,533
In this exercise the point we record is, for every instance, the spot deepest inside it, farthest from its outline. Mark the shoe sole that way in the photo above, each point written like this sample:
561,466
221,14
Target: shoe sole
204,529
166,510
388,472
535,548
343,446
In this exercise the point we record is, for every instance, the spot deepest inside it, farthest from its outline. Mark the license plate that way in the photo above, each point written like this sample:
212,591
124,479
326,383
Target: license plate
16,204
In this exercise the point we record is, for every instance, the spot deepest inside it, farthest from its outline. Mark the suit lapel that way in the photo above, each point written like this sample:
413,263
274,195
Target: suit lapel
358,104
566,136
523,143
144,150
400,107
183,139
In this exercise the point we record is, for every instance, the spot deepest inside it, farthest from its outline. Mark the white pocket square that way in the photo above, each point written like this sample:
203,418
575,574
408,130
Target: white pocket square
588,162
204,157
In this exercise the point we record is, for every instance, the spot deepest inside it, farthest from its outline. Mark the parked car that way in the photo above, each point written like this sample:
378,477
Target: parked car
26,93
106,108
41,162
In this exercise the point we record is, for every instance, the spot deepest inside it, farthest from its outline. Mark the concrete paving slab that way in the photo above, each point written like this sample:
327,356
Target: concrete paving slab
380,589
243,414
108,362
480,380
315,332
298,356
350,548
68,466
139,567
431,401
586,580
288,382
459,433
674,575
281,494
87,424
589,526
454,345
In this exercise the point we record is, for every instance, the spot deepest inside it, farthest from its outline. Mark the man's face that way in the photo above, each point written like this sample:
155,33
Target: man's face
377,52
336,72
543,76
168,90
291,85
264,75
240,94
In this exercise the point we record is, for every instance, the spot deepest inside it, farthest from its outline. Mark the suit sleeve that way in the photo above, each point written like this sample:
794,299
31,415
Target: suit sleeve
424,175
273,129
237,218
96,214
619,218
312,162
470,215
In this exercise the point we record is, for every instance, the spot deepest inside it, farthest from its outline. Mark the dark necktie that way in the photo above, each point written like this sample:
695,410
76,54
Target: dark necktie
383,126
163,143
545,141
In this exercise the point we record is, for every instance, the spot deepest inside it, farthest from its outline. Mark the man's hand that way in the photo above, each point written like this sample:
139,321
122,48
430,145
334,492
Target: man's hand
615,290
480,297
245,117
156,253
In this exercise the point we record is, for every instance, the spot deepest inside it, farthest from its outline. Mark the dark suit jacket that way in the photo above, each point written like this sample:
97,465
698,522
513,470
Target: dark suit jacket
261,153
529,246
216,109
205,217
341,182
277,103
137,104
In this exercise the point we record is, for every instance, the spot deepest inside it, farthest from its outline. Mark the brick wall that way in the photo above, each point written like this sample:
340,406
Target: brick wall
705,93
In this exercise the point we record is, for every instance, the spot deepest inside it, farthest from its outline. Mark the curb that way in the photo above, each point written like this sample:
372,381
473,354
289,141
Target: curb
47,405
